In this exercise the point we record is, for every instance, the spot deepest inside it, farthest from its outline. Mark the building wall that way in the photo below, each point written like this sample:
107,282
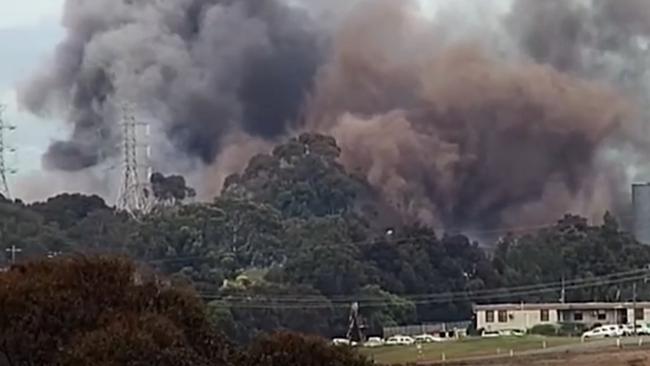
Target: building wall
526,319
590,317
641,203
515,319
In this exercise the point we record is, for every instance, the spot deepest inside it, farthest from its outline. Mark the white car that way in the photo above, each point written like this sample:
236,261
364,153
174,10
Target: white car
374,342
400,340
605,331
490,334
512,332
641,329
427,338
341,342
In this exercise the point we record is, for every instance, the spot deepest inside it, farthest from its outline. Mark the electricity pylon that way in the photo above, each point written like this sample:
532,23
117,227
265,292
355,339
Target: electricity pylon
4,170
134,194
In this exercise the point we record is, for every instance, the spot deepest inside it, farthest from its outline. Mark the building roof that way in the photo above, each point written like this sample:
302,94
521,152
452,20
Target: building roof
563,306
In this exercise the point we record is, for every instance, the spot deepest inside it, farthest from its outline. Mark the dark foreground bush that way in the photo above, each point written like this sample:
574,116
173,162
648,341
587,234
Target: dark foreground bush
104,311
288,349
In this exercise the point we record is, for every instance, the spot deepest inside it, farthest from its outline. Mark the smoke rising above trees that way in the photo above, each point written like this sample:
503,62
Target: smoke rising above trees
507,125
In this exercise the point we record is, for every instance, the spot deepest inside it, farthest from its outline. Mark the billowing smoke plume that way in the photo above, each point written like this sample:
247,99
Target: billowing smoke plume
509,117
200,68
451,134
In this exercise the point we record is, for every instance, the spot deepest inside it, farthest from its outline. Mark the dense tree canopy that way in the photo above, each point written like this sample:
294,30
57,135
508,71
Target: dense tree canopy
107,311
296,228
100,311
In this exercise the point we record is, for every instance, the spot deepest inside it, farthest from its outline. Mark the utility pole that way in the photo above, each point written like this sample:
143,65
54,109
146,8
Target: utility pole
4,171
563,292
355,328
12,252
634,306
133,197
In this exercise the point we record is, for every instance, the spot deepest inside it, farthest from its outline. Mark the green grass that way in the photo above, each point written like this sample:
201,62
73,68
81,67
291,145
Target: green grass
471,347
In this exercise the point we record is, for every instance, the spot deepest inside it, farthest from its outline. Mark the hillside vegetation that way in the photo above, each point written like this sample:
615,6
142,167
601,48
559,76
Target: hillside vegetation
294,239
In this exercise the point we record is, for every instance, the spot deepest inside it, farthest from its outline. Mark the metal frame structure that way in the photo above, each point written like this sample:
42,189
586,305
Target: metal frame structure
4,170
134,196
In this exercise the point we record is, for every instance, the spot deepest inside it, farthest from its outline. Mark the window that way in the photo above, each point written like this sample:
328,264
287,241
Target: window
489,316
577,316
638,314
503,316
543,314
602,315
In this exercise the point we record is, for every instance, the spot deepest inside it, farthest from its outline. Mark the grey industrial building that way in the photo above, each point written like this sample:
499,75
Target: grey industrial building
641,204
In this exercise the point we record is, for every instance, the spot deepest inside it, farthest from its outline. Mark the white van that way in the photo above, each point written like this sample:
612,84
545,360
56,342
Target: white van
399,340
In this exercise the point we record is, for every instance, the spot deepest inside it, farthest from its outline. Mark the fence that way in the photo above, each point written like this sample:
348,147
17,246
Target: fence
458,328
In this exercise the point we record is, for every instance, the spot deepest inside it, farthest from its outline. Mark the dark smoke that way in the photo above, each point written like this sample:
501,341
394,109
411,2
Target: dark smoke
201,68
582,37
454,136
465,121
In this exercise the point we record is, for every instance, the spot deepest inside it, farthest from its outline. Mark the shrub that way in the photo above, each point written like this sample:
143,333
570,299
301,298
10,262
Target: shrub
571,329
544,329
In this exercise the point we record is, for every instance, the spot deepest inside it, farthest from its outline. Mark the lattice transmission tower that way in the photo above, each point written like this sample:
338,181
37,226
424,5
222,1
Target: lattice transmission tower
4,170
134,195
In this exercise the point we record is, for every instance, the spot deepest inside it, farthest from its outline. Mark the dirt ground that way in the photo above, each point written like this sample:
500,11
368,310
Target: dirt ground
630,358
611,358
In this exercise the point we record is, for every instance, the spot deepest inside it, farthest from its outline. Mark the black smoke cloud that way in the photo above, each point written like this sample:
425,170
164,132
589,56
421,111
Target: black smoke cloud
200,68
502,122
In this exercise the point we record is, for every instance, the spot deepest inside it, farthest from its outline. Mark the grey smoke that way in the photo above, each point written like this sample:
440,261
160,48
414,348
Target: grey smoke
223,79
200,68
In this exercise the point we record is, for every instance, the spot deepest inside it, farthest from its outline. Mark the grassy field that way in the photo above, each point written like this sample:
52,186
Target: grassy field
462,348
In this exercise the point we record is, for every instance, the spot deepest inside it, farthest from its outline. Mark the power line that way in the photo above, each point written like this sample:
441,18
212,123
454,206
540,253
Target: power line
445,299
489,293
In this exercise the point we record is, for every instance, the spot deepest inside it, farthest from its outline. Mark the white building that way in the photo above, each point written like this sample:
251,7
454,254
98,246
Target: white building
525,316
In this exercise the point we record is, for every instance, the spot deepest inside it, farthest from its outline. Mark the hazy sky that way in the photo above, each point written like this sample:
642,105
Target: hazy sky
29,30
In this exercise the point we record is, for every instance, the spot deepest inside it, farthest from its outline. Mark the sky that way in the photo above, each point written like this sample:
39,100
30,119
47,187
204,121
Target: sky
29,31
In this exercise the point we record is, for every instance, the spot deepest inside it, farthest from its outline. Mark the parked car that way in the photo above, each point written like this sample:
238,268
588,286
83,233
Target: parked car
626,329
641,329
490,334
512,332
427,338
341,342
605,331
374,342
399,340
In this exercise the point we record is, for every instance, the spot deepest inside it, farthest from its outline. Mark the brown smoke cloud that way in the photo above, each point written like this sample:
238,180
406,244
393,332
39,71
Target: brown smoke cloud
477,118
456,136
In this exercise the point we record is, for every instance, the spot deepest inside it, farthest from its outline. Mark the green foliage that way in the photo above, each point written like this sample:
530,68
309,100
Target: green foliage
548,330
295,227
286,349
105,311
301,178
97,311
571,329
571,249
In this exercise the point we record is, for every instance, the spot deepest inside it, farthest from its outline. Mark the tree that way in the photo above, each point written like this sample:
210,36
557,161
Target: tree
287,349
101,311
66,210
301,178
170,189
